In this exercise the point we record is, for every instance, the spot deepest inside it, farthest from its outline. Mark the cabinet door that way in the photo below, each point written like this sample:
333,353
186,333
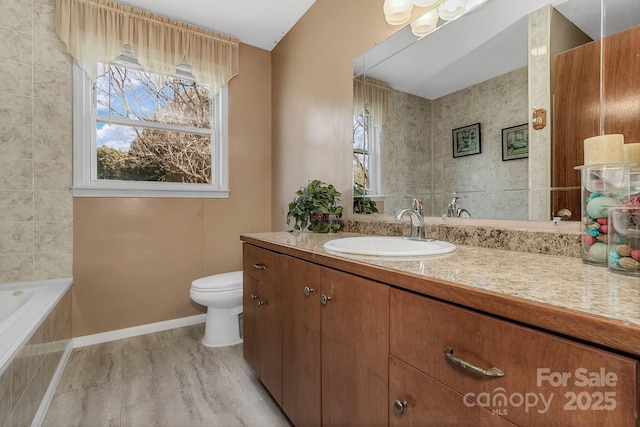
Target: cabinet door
355,349
270,339
429,403
301,288
250,345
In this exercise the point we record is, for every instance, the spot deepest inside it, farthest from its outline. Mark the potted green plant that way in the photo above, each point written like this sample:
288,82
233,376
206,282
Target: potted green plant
361,203
315,207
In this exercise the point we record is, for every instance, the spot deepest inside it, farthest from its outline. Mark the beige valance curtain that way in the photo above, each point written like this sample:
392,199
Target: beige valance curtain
372,96
98,30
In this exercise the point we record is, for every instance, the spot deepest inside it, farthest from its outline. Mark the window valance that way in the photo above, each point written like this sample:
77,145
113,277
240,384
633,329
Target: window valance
98,31
373,96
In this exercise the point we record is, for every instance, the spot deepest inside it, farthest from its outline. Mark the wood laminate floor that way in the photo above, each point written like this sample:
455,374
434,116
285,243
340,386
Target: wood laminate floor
166,378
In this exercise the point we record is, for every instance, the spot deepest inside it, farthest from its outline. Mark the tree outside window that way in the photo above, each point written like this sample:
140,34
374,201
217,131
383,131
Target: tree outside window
151,127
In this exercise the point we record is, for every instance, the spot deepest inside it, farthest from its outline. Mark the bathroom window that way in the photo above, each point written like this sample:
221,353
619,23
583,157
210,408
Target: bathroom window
138,134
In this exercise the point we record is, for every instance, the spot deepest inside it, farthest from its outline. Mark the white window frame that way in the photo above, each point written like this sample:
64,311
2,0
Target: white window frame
85,164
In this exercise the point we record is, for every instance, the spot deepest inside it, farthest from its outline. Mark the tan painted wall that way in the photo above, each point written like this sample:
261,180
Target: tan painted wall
312,96
135,258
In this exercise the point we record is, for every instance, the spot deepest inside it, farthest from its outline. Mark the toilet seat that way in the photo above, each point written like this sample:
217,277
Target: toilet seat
219,282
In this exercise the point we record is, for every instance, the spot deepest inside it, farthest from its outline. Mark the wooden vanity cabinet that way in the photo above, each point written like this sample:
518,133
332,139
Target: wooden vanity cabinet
335,349
262,316
547,380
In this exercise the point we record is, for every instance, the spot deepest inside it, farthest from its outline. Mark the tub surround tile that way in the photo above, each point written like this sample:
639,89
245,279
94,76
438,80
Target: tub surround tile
52,145
44,19
14,46
53,236
16,110
35,142
5,397
51,53
52,114
52,265
16,174
16,268
53,205
16,206
16,238
16,16
25,381
52,176
19,377
17,79
16,142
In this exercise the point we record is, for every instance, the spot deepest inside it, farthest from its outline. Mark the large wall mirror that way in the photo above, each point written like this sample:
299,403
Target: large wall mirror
450,114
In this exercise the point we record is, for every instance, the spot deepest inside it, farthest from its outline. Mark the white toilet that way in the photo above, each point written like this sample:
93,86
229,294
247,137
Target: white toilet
222,295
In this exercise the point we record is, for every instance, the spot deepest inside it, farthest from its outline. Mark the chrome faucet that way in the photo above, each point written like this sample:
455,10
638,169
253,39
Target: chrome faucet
454,210
415,213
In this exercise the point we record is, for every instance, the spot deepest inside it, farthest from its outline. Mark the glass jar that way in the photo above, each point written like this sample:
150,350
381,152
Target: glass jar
604,186
624,238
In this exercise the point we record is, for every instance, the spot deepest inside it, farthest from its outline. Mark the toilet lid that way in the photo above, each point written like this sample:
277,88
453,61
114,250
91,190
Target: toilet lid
219,282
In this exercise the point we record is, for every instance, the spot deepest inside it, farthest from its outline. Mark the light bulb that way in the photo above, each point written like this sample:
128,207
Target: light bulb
426,3
425,24
397,12
451,9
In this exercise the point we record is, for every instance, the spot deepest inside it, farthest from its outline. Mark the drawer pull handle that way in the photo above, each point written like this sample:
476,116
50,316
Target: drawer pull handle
491,372
399,406
308,291
258,266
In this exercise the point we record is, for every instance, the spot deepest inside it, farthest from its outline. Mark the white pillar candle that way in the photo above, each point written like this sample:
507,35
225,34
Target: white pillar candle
604,149
632,153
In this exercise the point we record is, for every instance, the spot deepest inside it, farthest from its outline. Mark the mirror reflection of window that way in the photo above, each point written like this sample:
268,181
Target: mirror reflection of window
370,111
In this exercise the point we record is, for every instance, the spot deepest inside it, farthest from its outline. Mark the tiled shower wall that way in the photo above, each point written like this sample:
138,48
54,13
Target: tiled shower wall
36,207
24,383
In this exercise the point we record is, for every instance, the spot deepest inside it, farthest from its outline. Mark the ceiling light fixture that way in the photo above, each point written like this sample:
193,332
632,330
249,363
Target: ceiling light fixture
398,12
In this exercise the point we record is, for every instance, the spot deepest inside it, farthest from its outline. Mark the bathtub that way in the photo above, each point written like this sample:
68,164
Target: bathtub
23,307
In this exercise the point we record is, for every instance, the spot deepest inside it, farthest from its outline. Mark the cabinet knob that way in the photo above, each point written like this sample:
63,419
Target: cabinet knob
308,291
259,304
253,297
324,299
399,406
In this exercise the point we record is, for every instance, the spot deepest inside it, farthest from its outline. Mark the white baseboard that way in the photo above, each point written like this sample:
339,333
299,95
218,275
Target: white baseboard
103,337
51,390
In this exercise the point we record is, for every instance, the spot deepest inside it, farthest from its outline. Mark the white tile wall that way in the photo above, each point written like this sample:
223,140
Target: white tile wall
419,131
36,207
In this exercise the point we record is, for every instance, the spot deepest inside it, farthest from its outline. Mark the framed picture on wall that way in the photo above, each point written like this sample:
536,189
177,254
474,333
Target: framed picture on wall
466,140
515,142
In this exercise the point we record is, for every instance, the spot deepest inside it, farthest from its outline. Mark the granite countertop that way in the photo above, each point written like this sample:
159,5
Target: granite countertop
558,286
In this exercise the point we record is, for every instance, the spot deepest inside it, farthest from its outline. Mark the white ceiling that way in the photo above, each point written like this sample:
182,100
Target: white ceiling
259,23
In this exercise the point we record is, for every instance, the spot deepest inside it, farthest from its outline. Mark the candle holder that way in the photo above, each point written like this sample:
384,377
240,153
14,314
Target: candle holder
604,186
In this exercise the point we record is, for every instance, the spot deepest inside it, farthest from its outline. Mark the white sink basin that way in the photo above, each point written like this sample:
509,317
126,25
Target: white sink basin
388,246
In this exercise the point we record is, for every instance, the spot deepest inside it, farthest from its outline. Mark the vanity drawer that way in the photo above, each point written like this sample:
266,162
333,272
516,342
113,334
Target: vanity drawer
547,380
262,264
420,401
